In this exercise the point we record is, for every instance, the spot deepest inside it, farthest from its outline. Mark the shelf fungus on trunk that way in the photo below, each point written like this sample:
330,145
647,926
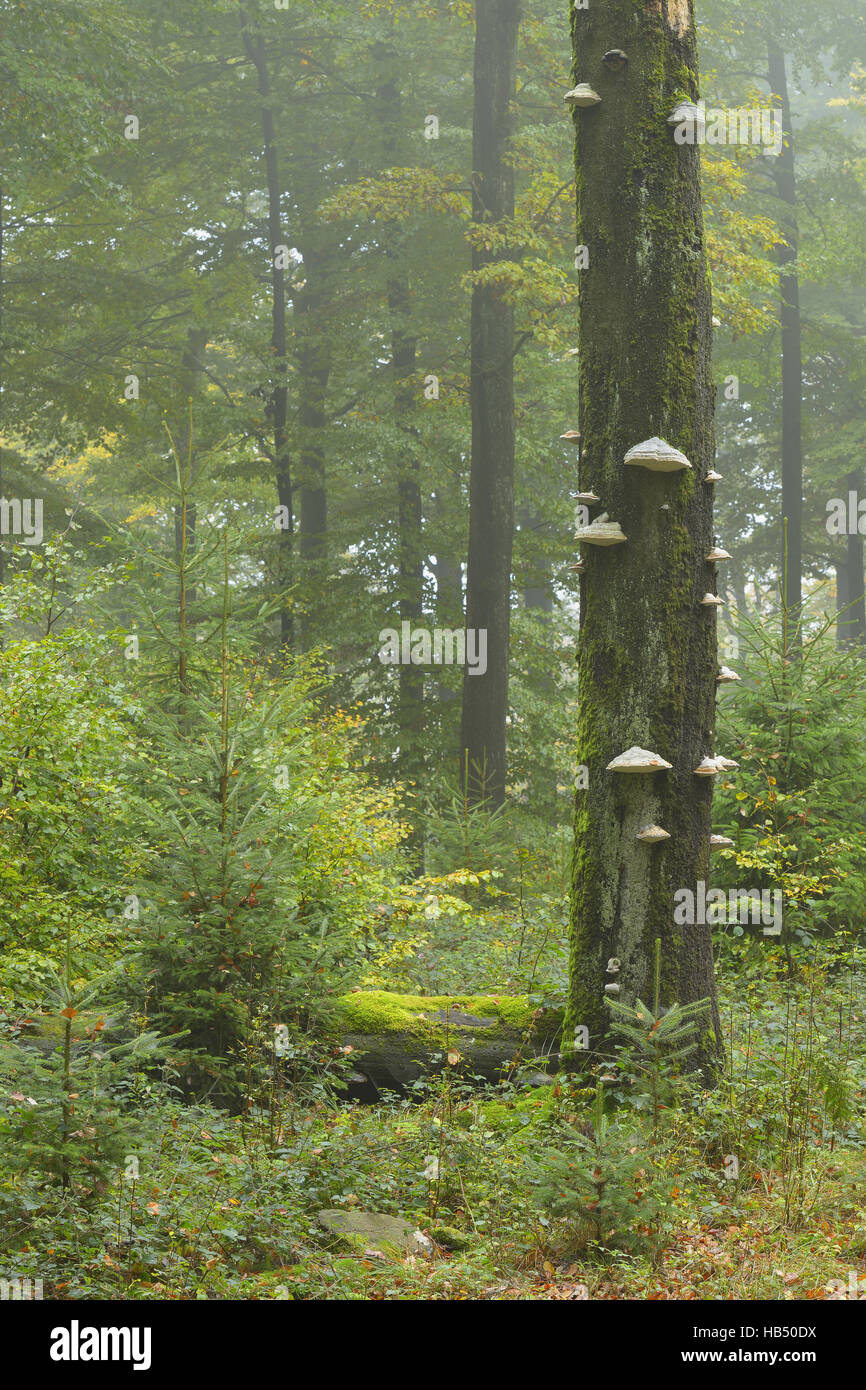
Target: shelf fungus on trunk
587,497
693,120
721,842
726,675
717,322
614,58
578,567
638,760
602,532
712,601
570,435
652,834
713,477
611,989
726,764
614,966
718,554
581,95
708,767
656,455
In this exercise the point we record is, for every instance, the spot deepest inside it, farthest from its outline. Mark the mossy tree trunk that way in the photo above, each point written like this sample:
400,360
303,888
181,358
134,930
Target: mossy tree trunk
491,492
647,657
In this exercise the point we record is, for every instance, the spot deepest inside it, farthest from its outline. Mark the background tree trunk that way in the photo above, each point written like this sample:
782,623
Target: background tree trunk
851,624
792,352
410,535
314,370
185,512
2,384
647,650
491,492
278,401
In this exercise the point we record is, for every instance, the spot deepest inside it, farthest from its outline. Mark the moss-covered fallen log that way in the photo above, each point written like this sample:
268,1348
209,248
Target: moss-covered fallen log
398,1038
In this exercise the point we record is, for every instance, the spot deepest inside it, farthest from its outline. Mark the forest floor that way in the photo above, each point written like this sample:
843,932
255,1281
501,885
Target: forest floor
751,1190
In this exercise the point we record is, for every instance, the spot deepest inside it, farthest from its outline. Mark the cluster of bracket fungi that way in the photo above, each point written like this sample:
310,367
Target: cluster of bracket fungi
657,456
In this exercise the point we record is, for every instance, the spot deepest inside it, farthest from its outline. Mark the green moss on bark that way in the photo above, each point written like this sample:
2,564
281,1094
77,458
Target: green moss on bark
647,650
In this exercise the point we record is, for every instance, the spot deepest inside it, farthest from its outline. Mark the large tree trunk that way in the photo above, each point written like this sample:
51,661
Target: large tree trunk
491,492
278,402
647,649
792,353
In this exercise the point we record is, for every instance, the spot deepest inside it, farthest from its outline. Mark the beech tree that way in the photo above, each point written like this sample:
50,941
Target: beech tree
647,662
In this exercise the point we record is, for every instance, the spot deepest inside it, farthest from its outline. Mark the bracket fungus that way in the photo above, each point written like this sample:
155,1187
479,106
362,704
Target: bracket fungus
578,567
582,95
656,455
638,760
614,965
614,59
611,989
718,554
713,477
708,767
602,532
652,834
724,764
721,842
686,112
726,675
570,435
717,323
587,497
712,601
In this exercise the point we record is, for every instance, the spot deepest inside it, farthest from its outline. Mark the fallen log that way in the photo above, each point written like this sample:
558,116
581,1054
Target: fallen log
398,1038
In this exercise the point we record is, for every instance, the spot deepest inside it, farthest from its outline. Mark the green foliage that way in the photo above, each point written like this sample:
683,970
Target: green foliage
795,728
603,1183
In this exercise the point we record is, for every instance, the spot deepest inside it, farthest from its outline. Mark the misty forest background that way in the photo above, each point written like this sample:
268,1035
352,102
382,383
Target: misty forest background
238,257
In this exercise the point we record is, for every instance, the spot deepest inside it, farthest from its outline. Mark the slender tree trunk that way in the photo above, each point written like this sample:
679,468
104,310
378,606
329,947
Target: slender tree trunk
792,352
537,592
410,537
737,581
449,613
185,512
647,657
314,370
278,404
2,387
851,624
491,492
842,602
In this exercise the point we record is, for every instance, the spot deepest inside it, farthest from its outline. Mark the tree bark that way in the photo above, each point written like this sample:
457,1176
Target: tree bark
491,492
647,657
792,352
